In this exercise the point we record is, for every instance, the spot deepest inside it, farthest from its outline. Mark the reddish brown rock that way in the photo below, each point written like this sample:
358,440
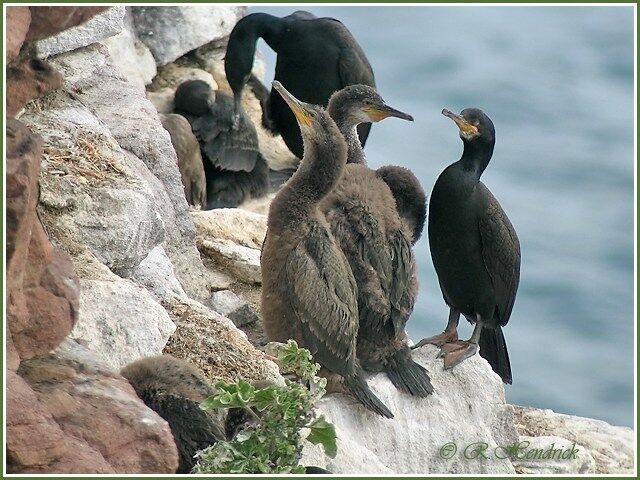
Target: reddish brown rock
47,21
28,80
42,287
18,20
88,417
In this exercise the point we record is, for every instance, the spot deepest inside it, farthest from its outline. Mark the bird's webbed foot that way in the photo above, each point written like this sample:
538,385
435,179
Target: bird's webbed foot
438,340
456,353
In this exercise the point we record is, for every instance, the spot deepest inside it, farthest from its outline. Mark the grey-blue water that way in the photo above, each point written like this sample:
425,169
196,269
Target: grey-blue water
558,84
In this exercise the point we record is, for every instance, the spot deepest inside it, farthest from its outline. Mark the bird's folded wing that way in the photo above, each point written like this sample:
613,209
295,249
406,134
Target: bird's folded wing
324,298
501,254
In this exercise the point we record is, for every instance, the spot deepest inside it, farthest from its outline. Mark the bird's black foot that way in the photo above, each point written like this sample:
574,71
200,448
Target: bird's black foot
455,353
438,340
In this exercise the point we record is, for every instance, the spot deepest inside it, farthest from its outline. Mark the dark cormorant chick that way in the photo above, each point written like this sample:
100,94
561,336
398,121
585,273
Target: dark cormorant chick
234,168
366,223
189,158
475,250
411,201
308,291
174,389
316,57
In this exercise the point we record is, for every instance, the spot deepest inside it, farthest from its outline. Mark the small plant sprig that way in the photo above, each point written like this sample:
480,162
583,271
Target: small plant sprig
274,445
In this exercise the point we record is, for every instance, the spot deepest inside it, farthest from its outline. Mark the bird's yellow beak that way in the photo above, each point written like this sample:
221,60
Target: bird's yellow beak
380,112
464,126
296,106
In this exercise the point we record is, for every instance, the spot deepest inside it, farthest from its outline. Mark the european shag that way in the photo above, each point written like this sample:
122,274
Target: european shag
475,250
316,57
189,158
364,219
174,389
235,170
308,291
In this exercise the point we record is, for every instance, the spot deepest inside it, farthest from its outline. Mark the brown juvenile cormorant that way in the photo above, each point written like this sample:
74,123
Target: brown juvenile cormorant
411,201
366,223
189,158
234,168
174,389
308,291
316,57
475,250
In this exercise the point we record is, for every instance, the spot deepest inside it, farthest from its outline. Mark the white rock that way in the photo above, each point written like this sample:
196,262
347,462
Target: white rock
120,321
102,25
240,226
611,447
130,55
97,204
227,303
241,262
258,205
170,32
550,455
156,273
467,407
90,75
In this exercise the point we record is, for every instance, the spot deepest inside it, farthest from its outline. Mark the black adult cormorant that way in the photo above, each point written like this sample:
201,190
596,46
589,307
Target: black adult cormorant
308,291
234,168
366,223
189,158
475,250
174,389
316,57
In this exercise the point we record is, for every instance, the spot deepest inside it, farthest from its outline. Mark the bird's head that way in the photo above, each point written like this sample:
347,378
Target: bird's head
361,104
307,115
474,125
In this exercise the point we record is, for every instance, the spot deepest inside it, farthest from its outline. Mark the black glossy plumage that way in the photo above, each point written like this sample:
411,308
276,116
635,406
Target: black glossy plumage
475,249
234,168
316,57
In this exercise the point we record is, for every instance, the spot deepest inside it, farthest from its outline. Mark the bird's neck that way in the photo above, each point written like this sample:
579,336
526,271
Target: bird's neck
476,157
355,153
321,168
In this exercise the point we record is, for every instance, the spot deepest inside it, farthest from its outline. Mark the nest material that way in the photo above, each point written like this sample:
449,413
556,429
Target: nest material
215,348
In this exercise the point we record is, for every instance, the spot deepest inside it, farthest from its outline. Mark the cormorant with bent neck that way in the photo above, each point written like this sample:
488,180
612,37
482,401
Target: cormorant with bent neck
308,291
376,239
475,250
316,57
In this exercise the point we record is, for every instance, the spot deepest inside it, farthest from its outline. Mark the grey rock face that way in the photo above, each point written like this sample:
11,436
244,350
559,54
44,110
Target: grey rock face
239,261
156,273
87,190
611,447
130,55
103,25
131,119
227,303
170,32
120,321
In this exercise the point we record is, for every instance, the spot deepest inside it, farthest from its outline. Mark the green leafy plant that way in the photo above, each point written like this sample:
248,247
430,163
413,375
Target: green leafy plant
274,444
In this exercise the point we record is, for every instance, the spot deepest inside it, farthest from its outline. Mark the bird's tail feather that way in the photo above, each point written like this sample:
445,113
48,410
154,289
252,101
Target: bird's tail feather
407,375
493,349
358,387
